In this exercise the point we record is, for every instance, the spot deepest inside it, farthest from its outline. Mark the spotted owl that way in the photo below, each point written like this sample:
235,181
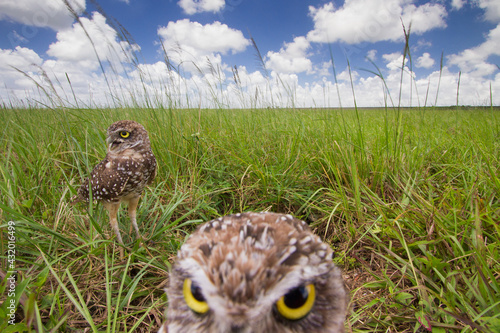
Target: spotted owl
255,272
128,167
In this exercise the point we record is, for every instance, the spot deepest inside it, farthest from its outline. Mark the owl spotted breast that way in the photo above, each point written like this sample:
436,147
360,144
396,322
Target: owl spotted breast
255,272
128,167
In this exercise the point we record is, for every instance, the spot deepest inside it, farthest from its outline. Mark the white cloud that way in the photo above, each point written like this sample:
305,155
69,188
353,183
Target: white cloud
371,55
73,45
215,37
424,18
325,69
191,43
16,68
348,77
40,13
157,84
425,61
360,21
371,91
73,57
191,7
492,9
474,60
292,58
457,4
20,57
394,60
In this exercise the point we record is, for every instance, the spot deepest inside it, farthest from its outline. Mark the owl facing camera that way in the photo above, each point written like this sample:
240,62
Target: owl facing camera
255,272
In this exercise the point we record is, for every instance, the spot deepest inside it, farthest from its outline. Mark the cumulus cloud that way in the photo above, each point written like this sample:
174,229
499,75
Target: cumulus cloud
20,58
73,45
372,91
72,57
194,43
324,69
250,79
155,82
292,58
425,61
40,13
191,7
186,41
371,55
16,84
394,60
457,4
215,37
360,21
348,76
492,9
474,60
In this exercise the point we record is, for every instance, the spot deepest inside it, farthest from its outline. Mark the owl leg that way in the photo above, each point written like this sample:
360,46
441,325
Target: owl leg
112,208
132,212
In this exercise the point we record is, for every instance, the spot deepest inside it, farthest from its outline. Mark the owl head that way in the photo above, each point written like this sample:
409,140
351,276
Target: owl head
255,272
125,134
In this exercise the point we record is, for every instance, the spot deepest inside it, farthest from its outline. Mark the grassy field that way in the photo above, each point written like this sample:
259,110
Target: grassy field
408,199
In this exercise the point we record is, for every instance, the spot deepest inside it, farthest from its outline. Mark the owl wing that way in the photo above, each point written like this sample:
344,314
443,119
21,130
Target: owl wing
154,165
108,181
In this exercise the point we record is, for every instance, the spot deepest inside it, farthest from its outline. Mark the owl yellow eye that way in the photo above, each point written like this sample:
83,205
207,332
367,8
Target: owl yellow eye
193,297
124,134
297,303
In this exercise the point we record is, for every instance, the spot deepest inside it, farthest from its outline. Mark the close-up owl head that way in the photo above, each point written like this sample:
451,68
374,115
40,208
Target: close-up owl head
255,272
125,134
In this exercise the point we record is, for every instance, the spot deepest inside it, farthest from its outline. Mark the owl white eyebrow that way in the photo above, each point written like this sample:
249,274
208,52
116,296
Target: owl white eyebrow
136,143
293,280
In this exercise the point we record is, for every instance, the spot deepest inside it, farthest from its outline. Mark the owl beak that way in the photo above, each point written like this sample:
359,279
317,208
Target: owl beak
237,329
112,144
239,317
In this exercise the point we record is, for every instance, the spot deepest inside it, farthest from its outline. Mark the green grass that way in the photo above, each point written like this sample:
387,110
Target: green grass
409,200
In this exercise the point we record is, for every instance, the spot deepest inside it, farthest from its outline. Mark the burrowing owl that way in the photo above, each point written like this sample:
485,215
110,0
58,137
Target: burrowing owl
128,167
255,272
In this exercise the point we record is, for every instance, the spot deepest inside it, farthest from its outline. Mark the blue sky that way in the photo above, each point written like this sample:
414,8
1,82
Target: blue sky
294,37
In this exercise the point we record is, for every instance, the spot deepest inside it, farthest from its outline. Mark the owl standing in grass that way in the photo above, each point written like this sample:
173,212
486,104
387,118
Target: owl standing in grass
255,272
128,167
